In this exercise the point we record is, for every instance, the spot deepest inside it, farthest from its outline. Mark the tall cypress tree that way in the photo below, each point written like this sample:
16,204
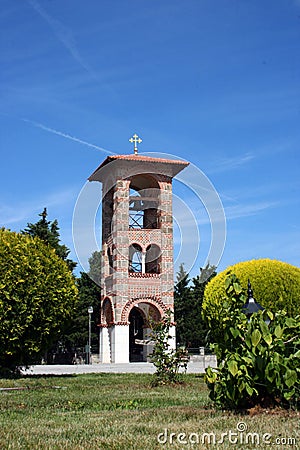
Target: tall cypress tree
89,293
49,233
95,267
182,307
191,329
76,337
197,291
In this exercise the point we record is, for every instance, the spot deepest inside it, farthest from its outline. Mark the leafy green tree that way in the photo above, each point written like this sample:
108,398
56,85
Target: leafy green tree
95,267
191,329
200,329
37,298
49,233
75,338
183,308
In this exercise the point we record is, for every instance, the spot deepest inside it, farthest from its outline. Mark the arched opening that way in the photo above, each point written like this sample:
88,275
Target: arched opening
136,333
136,210
107,213
107,312
143,202
135,259
107,320
140,345
153,259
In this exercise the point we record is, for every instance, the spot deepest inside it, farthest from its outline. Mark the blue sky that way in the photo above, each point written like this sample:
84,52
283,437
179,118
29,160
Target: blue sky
216,82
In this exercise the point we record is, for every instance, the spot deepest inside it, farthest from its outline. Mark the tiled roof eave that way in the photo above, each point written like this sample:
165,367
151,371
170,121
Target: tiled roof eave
179,164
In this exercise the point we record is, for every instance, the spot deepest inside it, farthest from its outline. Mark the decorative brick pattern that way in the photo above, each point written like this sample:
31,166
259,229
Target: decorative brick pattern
145,237
156,302
143,275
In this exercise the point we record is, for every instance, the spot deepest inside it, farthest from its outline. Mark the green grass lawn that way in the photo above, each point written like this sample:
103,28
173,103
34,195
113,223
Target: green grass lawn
122,411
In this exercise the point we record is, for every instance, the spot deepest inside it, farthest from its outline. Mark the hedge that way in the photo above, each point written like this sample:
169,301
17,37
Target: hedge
275,285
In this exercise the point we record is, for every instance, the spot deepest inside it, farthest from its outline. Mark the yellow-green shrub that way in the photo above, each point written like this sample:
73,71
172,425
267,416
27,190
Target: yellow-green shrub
37,297
275,284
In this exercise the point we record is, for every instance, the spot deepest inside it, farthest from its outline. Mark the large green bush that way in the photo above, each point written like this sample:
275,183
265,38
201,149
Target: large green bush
37,298
276,286
258,359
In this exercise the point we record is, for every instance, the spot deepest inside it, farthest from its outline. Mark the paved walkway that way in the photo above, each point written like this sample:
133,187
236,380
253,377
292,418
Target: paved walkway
193,367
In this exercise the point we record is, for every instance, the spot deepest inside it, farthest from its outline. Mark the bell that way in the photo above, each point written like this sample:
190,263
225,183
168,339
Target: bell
135,205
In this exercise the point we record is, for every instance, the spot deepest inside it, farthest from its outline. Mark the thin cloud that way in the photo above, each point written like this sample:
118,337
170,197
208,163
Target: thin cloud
239,211
233,212
63,34
66,135
226,164
21,212
10,215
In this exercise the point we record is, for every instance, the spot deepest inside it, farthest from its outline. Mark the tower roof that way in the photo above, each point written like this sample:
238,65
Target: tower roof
168,167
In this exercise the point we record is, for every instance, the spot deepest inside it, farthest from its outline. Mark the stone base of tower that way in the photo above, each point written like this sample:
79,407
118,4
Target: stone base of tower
115,348
114,344
105,345
120,341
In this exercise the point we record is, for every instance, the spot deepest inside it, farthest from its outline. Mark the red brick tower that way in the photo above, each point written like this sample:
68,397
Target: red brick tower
137,251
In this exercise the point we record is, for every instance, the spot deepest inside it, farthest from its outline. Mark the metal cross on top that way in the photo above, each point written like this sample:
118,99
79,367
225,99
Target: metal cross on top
135,140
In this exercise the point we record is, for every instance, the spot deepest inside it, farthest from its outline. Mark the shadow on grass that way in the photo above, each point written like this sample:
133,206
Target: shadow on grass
9,375
49,375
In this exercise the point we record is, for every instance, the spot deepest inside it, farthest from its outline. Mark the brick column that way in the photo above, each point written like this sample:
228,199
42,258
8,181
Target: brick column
167,275
120,225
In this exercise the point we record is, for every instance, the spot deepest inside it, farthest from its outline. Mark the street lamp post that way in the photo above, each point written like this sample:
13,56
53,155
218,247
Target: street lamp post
251,306
90,311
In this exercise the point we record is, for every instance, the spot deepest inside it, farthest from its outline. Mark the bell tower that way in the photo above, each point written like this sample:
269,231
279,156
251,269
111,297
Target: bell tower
137,250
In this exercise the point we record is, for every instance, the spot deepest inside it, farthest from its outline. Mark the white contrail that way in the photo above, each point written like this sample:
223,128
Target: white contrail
67,136
63,34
